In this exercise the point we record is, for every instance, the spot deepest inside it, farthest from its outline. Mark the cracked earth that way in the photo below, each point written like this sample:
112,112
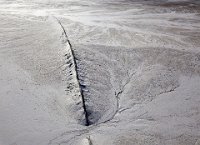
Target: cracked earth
121,72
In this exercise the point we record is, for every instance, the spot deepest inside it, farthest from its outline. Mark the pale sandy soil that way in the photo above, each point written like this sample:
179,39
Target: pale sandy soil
135,63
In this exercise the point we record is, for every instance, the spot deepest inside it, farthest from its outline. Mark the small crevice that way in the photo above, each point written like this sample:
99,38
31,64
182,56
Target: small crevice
89,141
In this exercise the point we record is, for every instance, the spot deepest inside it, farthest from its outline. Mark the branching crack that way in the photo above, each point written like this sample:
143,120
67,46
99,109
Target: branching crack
117,96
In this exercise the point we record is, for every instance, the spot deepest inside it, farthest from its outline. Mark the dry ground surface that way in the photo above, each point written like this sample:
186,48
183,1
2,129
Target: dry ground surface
117,72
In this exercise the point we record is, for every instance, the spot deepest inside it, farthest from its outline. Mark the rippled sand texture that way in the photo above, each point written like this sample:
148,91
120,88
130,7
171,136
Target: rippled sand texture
99,72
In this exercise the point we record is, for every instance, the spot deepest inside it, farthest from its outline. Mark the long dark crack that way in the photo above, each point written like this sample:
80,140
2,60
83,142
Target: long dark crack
87,123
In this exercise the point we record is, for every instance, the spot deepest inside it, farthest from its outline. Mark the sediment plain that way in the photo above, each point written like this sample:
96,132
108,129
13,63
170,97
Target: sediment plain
96,72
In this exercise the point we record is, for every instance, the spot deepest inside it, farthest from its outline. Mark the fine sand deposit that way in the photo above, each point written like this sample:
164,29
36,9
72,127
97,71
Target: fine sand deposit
99,72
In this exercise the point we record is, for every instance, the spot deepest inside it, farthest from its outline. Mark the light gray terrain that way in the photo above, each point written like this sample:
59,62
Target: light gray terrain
96,72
